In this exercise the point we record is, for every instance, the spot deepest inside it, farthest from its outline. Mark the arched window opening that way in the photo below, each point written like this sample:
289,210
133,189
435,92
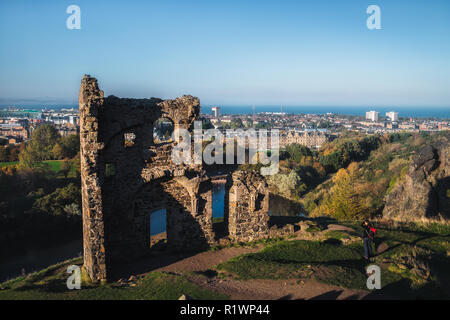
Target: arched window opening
163,130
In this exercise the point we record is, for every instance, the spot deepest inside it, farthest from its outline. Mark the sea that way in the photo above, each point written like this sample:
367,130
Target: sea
414,112
403,112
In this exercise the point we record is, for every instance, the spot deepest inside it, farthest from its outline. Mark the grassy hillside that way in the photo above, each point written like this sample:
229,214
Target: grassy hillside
414,263
50,284
413,258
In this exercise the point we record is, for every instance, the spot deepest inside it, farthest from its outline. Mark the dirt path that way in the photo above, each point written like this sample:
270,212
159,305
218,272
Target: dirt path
206,260
259,289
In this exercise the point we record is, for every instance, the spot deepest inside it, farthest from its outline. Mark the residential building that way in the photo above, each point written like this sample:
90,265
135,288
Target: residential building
372,115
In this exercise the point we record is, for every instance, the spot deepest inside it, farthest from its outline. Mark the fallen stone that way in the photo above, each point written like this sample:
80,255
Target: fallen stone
338,227
402,266
382,247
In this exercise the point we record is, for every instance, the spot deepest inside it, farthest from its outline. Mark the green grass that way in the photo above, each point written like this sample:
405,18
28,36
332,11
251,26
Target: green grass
54,165
342,265
339,235
7,164
300,259
439,244
313,229
415,265
50,284
303,251
442,229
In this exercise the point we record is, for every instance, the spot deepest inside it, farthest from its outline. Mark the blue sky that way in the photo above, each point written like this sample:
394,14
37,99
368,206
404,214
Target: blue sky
229,52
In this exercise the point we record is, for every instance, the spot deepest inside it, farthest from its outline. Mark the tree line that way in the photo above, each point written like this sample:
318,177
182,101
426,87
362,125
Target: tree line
36,203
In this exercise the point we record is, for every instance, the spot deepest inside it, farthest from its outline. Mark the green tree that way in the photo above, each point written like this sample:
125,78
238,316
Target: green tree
296,152
66,147
66,165
58,151
40,146
56,203
76,161
70,145
3,154
206,124
332,162
236,123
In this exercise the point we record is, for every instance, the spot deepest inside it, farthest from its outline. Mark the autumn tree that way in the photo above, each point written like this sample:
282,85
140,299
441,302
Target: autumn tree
343,201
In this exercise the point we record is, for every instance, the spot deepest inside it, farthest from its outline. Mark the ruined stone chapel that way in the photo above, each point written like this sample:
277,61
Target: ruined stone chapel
126,176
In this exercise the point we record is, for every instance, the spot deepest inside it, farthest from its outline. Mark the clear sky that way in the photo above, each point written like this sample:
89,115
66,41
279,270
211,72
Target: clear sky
229,52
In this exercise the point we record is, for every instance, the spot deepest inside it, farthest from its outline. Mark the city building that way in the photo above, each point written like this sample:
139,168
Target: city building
226,119
67,129
73,120
393,116
311,139
216,111
372,115
13,130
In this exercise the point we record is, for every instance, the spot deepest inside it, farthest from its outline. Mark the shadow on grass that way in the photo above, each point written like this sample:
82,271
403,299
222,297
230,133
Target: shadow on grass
208,273
330,295
333,241
50,286
151,262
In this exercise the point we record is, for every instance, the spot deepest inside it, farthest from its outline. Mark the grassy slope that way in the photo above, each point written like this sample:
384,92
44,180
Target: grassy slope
334,263
328,261
50,284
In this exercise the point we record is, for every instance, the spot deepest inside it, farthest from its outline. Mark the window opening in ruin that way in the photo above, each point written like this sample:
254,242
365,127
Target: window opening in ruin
110,170
163,130
259,202
158,228
218,209
129,138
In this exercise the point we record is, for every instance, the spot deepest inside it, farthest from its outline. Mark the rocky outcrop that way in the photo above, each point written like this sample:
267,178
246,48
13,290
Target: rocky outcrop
424,192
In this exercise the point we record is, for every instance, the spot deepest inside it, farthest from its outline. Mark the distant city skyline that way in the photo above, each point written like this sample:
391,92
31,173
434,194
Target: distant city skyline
290,53
436,112
403,112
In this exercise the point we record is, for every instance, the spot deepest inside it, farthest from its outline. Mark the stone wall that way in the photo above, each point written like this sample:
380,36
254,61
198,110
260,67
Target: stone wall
248,207
90,101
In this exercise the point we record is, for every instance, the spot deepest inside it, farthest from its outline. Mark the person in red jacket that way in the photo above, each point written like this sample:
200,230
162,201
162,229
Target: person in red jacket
367,239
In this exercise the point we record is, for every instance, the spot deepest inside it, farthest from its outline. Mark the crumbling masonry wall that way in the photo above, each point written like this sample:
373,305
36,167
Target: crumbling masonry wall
124,181
248,207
